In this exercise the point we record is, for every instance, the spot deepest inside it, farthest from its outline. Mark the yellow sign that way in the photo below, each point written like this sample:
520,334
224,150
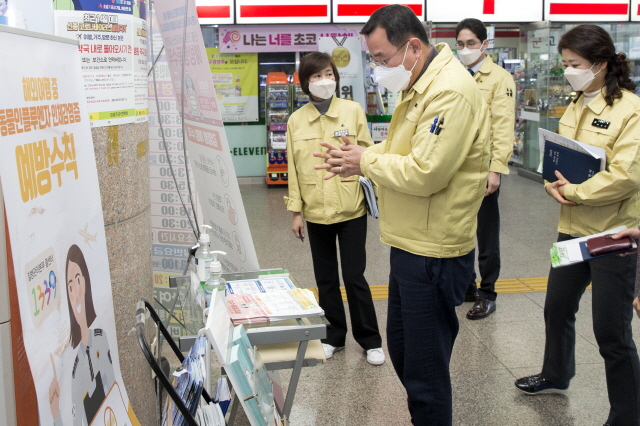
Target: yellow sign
235,77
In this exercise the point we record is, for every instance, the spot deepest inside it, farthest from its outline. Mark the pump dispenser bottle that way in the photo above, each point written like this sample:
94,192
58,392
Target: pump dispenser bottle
203,256
215,281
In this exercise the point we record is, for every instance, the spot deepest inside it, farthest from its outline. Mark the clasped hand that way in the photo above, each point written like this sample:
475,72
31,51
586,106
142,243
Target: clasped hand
343,160
556,190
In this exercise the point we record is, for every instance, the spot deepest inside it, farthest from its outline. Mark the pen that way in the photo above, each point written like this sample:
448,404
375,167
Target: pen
439,128
301,238
433,126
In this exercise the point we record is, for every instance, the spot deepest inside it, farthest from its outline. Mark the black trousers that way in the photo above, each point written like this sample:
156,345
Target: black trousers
488,235
422,326
352,236
613,280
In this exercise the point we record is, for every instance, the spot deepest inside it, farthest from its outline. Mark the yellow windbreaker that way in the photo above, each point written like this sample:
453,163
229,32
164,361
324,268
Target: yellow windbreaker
498,90
324,201
612,197
430,185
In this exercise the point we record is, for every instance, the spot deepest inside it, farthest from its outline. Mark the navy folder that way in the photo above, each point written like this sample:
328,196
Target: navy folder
574,165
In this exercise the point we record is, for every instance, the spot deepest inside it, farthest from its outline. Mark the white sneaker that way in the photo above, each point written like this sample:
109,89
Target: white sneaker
375,356
329,350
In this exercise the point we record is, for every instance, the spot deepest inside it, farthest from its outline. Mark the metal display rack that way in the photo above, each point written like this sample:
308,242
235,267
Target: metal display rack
291,338
142,307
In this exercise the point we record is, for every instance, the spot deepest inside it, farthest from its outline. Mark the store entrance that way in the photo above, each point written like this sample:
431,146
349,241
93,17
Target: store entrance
543,92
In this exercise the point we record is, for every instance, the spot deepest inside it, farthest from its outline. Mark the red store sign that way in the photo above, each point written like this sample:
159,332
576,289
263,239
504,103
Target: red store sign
358,11
587,10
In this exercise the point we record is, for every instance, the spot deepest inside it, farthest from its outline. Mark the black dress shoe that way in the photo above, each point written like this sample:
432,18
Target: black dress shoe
481,309
537,384
471,297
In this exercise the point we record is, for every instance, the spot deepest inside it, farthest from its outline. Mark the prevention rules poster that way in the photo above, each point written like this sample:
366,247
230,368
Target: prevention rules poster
54,215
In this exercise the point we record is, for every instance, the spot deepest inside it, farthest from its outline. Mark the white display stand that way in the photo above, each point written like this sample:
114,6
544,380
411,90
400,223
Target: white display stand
291,344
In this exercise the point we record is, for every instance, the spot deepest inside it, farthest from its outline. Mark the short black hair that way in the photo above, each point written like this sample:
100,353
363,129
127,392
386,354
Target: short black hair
476,26
400,23
312,63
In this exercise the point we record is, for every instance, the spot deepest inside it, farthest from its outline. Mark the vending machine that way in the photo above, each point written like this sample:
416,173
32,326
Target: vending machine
277,111
300,98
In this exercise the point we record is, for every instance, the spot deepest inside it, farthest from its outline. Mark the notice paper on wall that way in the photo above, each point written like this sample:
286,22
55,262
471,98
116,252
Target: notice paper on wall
112,39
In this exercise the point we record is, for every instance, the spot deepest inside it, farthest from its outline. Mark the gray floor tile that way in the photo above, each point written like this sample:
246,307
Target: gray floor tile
488,398
537,297
509,307
377,401
521,343
523,247
585,402
470,354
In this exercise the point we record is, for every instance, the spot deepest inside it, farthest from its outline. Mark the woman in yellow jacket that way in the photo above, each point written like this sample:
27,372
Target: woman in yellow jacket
333,208
606,114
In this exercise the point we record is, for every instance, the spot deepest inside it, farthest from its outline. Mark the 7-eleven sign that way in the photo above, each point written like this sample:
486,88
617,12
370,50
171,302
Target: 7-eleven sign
485,10
586,10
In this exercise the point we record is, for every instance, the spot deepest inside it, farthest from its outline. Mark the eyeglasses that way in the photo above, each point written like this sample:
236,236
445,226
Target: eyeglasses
471,44
384,63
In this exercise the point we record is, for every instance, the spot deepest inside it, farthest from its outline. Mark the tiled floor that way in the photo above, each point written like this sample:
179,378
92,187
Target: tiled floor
488,355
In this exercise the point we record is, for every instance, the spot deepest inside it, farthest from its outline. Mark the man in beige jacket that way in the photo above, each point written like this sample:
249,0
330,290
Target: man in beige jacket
498,90
431,175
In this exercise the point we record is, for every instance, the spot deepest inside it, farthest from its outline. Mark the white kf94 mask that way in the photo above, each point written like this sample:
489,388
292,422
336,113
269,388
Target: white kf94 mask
394,79
323,89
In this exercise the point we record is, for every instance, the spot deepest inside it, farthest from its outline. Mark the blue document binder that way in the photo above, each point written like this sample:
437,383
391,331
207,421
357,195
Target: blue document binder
575,166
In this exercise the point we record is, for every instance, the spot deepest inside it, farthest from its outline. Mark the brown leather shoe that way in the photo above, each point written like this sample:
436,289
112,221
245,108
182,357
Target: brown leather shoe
481,309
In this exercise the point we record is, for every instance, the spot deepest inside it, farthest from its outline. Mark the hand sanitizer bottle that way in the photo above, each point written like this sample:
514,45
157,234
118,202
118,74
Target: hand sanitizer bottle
215,282
203,256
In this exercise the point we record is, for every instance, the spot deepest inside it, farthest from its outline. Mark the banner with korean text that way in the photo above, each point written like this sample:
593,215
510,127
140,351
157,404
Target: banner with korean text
171,231
54,216
206,140
277,38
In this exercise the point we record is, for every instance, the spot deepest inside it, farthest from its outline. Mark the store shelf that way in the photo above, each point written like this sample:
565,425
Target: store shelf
277,177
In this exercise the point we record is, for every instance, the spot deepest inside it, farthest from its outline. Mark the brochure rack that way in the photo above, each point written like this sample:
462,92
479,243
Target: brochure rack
142,307
291,344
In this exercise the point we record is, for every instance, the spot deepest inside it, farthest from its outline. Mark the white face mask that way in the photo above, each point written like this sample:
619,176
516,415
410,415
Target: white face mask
323,89
394,79
469,56
580,79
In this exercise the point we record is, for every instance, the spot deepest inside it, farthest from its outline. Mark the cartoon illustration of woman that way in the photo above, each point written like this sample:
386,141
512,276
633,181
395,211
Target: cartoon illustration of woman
92,374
